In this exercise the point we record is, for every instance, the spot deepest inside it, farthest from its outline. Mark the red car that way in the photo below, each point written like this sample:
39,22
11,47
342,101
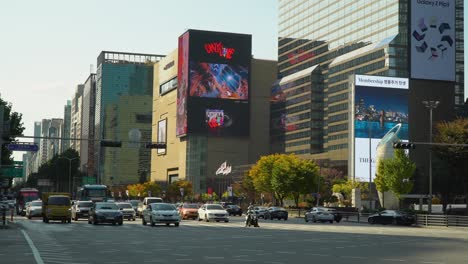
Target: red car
188,211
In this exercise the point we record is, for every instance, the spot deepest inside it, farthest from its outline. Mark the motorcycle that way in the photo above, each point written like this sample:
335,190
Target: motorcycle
251,219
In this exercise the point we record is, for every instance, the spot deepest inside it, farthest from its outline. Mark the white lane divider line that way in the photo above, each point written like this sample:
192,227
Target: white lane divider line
34,250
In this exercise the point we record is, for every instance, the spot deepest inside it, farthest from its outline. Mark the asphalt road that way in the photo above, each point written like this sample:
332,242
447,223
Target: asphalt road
275,242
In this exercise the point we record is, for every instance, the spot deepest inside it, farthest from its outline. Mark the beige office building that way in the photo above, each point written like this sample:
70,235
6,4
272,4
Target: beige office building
197,157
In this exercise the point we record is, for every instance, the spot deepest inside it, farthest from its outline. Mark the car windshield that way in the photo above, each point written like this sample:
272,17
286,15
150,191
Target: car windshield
85,204
125,205
36,203
134,203
194,206
163,207
233,206
214,207
59,200
107,206
277,209
154,200
97,193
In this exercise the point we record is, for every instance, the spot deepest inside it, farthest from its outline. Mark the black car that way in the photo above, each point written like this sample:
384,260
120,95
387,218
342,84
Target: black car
105,212
234,210
276,213
391,217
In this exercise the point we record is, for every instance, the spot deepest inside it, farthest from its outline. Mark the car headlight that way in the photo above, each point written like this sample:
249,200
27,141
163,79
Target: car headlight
77,210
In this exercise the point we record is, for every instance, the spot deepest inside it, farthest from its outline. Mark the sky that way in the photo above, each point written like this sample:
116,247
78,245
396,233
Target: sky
47,47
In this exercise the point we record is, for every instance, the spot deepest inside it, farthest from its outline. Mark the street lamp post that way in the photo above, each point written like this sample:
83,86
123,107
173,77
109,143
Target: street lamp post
69,172
430,105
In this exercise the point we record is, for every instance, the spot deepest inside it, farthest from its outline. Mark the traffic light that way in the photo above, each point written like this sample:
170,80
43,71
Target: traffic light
400,145
113,144
158,145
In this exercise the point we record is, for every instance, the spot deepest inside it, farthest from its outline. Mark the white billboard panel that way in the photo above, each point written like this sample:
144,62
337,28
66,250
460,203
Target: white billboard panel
379,103
433,39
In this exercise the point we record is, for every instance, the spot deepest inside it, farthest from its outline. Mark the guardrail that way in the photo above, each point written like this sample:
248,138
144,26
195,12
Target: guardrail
441,220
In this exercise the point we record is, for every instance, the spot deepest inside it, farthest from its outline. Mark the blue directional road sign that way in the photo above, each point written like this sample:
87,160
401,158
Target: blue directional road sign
22,147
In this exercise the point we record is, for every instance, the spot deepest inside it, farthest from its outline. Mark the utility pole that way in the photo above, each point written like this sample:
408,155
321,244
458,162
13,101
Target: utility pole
430,105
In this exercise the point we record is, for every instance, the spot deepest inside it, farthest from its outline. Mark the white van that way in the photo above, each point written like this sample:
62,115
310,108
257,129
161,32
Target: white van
146,201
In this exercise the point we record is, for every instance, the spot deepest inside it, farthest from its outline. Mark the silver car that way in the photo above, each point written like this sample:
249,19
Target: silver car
127,211
80,209
34,208
319,214
161,213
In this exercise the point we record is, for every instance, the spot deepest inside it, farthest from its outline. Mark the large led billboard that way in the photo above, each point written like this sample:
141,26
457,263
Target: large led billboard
218,84
182,84
379,103
433,39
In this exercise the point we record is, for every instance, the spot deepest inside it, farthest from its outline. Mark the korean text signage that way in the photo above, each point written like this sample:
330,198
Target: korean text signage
433,39
216,94
380,103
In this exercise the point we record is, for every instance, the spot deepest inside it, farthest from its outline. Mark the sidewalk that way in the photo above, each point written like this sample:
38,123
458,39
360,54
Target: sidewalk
13,246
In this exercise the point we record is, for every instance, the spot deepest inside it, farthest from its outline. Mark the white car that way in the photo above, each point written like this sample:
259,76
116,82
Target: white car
161,213
34,209
319,214
213,212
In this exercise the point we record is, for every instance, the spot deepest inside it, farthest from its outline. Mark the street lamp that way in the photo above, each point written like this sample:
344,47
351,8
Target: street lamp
69,172
430,105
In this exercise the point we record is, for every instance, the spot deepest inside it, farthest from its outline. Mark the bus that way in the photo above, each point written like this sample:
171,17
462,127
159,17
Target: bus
25,195
93,192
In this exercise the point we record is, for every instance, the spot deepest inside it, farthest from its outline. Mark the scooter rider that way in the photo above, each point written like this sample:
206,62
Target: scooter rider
250,211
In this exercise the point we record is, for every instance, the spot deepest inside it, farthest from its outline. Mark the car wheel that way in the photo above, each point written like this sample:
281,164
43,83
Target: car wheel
167,224
206,219
176,224
76,218
133,219
69,220
47,220
226,221
95,222
331,221
314,220
199,219
394,221
120,222
285,219
89,221
151,221
143,221
306,219
29,217
371,221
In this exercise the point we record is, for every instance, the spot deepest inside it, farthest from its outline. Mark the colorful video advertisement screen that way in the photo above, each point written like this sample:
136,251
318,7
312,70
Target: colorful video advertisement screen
221,81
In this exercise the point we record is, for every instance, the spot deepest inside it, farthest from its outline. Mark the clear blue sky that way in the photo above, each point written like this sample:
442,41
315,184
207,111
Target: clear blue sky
47,46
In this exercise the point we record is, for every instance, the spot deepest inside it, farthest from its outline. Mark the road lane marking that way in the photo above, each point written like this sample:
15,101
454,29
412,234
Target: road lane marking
36,254
354,257
214,257
285,252
431,262
395,260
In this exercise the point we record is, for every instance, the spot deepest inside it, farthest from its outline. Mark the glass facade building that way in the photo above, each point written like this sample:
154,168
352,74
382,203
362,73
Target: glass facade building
87,126
322,43
124,89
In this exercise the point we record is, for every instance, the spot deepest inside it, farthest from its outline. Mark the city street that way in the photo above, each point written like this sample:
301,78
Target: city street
275,242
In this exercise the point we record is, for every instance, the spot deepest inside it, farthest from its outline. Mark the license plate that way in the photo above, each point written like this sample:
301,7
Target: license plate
110,218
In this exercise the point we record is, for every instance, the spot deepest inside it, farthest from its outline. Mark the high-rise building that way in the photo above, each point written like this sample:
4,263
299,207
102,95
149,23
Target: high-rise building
76,118
320,45
87,127
210,109
37,132
66,126
124,92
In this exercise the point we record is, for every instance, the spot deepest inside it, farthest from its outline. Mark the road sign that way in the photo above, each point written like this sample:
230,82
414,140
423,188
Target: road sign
12,172
23,147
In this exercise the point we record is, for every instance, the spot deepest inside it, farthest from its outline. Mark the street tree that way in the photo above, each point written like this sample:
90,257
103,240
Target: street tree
282,174
261,173
380,180
304,178
152,187
398,173
346,188
245,188
454,132
173,190
136,190
13,125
